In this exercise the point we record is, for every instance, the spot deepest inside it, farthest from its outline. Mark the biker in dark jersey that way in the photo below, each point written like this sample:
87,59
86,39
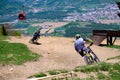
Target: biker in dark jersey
36,36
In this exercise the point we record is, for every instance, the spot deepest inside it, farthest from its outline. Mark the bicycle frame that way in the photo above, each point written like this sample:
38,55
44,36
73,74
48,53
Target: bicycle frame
90,57
96,59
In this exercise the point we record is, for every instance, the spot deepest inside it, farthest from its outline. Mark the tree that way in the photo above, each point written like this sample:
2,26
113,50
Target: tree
4,32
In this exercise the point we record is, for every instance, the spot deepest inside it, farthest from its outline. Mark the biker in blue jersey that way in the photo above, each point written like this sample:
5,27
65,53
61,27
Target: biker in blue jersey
80,44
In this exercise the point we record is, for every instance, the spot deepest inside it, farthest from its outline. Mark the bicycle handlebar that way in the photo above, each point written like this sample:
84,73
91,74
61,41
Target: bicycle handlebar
90,45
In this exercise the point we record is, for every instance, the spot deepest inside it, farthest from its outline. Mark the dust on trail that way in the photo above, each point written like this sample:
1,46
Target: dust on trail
57,53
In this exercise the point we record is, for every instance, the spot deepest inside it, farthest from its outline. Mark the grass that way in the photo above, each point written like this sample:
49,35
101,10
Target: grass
63,71
41,74
101,76
114,75
93,68
53,72
15,53
3,37
113,70
114,46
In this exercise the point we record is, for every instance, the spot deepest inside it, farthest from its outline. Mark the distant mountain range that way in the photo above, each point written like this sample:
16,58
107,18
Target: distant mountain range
85,10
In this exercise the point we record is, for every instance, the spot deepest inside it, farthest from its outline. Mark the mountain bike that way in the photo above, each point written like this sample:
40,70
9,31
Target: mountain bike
90,57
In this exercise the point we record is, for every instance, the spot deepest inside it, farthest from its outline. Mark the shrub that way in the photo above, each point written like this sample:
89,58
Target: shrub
53,72
14,33
63,71
40,75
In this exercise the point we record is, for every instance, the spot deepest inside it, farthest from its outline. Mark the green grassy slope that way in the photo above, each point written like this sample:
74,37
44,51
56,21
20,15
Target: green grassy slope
15,53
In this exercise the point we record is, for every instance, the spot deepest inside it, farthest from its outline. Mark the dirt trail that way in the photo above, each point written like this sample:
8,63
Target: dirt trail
57,52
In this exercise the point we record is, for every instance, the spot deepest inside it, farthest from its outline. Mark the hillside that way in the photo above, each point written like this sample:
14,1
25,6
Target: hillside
85,28
57,52
58,10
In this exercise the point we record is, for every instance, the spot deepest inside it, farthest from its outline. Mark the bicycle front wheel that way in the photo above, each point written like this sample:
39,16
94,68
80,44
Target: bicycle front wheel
88,59
95,58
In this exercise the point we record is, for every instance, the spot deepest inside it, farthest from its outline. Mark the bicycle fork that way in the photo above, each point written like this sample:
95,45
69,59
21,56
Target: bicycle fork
88,58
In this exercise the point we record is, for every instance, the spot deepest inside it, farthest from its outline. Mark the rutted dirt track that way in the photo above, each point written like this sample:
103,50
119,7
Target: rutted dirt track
57,52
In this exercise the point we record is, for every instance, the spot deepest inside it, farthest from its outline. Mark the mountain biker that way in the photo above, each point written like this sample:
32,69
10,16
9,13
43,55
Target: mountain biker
36,36
80,44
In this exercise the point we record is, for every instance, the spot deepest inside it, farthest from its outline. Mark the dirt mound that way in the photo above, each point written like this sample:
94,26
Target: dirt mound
57,52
